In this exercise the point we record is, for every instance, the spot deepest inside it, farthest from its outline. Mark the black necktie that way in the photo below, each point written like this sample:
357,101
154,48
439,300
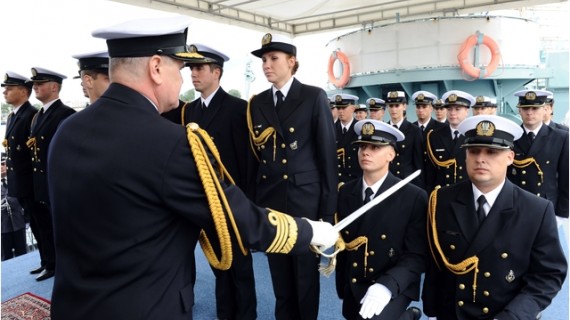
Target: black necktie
531,136
368,195
279,102
395,126
422,127
343,130
480,209
203,105
455,135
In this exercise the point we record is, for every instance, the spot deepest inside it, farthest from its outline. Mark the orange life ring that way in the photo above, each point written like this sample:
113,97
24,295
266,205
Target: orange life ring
468,67
345,76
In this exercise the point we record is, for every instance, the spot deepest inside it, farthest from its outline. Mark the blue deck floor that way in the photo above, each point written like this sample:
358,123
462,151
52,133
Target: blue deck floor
17,280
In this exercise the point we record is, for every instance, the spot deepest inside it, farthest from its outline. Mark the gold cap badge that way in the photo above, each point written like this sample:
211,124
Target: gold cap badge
531,95
485,129
368,129
266,39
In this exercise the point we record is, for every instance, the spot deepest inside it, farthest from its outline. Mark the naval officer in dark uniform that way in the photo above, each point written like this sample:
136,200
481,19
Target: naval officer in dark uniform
223,117
409,153
132,192
20,183
541,154
446,165
495,247
361,112
380,272
347,152
377,108
94,73
292,132
549,112
47,85
424,101
484,105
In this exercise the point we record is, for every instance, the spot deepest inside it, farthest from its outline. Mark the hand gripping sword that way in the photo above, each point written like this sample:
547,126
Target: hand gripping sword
355,215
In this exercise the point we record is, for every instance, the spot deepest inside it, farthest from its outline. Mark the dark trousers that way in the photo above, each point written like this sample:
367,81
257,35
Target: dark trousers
394,310
235,289
13,244
42,220
296,286
28,204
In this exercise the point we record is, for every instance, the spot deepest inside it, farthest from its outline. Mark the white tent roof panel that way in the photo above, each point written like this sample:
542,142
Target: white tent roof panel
296,17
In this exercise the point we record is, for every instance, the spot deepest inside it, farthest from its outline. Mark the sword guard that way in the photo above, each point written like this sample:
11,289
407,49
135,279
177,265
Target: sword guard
327,270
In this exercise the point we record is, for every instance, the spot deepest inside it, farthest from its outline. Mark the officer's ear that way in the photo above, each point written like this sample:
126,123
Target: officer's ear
391,154
510,157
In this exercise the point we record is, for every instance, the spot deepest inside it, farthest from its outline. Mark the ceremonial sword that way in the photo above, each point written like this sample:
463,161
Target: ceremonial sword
356,214
381,197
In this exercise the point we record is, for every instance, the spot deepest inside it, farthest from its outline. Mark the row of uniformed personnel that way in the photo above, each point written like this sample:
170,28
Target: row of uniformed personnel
434,146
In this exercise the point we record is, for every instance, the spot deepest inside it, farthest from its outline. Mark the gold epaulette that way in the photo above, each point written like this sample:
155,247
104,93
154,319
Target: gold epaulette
286,233
258,139
441,164
465,266
523,163
5,143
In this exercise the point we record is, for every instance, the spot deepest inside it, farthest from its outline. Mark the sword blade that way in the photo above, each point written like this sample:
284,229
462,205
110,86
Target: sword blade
381,197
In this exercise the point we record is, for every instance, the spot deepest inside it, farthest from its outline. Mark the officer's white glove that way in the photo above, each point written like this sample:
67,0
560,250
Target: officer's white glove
375,300
432,318
324,235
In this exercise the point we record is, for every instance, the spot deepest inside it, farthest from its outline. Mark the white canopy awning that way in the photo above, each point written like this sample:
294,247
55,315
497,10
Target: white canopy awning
297,17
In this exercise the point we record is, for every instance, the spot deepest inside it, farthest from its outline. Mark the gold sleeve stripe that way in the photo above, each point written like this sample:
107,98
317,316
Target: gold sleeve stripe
286,235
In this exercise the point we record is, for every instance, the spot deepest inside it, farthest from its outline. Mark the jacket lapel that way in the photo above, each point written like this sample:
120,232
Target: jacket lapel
215,106
377,214
45,116
447,141
540,140
355,201
463,209
501,212
12,123
291,102
267,109
523,143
